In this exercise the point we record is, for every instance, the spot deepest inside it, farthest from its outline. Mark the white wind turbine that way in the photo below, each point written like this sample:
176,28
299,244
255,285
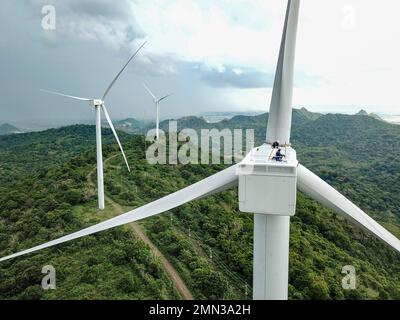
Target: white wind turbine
157,103
266,188
99,104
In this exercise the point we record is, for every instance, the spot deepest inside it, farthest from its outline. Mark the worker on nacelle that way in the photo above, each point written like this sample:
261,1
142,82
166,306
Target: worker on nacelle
275,145
278,155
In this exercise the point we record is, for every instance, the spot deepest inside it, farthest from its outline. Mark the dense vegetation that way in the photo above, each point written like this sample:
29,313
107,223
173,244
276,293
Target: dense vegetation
44,193
360,156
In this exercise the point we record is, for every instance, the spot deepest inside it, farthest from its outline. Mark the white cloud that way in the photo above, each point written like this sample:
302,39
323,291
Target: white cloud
213,33
348,44
238,71
109,22
209,52
360,64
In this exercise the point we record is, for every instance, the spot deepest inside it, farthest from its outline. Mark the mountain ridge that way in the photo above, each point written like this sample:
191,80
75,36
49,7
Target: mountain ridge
7,128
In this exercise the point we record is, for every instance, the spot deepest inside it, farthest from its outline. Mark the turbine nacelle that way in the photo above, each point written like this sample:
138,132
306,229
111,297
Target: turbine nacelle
268,182
97,102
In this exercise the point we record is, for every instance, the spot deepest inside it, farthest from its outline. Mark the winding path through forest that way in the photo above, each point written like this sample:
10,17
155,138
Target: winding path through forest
171,271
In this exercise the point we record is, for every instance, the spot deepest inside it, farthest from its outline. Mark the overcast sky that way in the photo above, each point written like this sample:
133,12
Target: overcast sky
213,55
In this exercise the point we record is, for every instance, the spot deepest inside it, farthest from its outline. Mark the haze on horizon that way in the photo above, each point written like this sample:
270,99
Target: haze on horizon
214,56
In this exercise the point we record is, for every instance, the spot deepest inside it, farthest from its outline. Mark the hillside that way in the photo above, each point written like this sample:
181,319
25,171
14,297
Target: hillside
131,125
362,112
208,241
44,193
7,128
346,151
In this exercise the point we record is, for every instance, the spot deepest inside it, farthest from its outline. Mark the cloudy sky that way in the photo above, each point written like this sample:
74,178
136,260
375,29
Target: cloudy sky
213,55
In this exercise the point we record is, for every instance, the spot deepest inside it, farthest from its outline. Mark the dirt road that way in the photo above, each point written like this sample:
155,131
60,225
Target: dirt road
172,273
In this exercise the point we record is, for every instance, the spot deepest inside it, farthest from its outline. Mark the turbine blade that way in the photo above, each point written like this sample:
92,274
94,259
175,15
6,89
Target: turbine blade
165,97
280,111
213,184
115,135
151,93
319,190
66,95
122,70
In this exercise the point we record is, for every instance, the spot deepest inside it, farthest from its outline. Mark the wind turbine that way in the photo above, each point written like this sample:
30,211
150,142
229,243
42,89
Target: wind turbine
99,104
260,179
157,103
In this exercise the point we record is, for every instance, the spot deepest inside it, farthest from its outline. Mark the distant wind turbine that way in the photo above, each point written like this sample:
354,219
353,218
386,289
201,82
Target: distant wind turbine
99,104
157,103
267,188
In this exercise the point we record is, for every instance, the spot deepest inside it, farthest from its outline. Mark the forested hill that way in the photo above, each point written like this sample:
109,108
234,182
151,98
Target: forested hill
45,193
7,128
258,122
357,154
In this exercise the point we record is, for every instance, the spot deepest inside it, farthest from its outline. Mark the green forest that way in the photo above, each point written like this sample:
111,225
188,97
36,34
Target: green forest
46,190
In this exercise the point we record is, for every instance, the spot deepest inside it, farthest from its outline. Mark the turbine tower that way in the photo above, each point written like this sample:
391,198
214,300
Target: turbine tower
157,103
99,104
271,231
267,188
